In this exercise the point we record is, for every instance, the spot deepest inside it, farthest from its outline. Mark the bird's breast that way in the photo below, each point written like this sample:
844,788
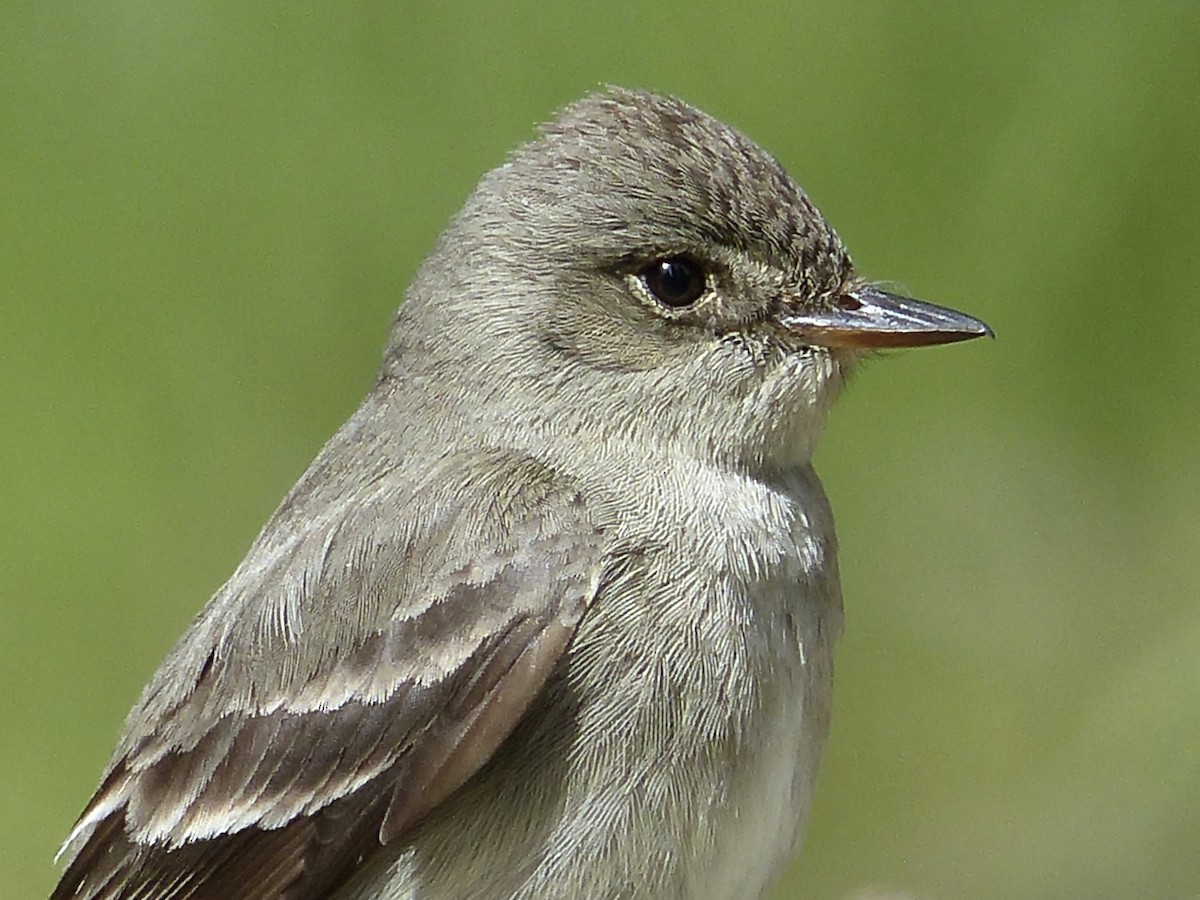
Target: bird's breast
715,683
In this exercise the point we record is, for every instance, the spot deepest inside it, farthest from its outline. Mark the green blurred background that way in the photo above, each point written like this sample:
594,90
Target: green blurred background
210,211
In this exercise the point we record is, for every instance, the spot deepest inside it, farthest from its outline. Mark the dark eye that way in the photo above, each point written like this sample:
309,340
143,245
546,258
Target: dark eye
675,281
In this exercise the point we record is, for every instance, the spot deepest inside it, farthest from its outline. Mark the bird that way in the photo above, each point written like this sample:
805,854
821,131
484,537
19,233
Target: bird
552,615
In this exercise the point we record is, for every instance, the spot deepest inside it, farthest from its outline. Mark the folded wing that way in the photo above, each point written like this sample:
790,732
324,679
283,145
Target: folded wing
370,654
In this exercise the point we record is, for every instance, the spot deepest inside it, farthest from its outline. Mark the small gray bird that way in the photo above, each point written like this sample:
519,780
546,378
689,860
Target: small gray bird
552,615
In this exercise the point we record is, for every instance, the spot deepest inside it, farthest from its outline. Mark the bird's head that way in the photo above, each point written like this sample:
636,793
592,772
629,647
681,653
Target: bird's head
642,270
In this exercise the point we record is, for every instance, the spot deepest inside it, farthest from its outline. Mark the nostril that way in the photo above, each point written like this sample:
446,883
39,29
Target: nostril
847,302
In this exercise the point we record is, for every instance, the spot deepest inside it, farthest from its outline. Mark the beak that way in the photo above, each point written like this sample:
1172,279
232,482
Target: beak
867,317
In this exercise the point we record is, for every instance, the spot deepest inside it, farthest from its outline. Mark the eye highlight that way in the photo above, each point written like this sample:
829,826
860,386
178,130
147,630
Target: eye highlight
675,281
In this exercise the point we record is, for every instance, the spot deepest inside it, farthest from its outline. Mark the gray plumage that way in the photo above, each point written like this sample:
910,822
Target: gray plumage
552,615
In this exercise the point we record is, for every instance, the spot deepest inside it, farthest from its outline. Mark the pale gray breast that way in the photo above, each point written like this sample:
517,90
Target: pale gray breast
772,613
705,674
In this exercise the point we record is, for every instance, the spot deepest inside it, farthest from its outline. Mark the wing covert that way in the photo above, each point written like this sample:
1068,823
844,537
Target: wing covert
347,679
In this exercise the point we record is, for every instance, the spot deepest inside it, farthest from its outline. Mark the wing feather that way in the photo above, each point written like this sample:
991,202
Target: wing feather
346,680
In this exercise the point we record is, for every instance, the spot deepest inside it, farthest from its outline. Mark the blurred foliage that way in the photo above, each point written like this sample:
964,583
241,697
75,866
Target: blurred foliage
210,211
